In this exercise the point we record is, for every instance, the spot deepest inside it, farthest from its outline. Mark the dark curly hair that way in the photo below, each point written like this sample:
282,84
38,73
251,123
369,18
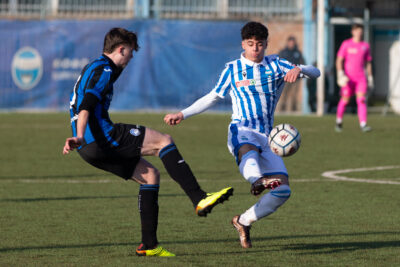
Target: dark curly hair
255,30
119,36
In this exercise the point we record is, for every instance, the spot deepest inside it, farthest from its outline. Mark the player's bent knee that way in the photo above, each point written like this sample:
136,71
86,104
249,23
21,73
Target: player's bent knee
283,192
345,99
165,140
360,99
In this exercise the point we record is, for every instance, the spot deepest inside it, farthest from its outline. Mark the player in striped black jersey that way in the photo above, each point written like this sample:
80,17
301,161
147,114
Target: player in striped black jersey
255,83
119,148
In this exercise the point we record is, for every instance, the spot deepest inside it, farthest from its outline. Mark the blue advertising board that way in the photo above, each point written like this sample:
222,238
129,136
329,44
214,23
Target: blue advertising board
178,62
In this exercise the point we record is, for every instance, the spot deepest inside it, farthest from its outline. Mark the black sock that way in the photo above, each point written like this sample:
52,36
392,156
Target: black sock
148,209
180,171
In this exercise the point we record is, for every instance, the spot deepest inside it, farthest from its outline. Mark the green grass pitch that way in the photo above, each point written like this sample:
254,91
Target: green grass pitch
57,210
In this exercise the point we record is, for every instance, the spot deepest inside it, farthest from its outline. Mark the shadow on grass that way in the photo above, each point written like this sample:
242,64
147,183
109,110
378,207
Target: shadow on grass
327,248
214,173
67,198
54,176
332,247
78,198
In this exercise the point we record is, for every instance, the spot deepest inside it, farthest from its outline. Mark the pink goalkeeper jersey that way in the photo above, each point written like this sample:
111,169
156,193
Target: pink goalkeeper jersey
355,56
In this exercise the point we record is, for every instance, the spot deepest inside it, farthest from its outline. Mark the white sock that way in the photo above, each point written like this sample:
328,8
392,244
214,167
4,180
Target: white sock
266,205
249,166
339,120
363,124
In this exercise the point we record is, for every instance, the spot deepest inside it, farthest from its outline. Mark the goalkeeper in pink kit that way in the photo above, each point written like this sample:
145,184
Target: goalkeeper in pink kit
353,58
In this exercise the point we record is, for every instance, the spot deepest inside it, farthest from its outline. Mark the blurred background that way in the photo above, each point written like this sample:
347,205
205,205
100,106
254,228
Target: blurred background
184,47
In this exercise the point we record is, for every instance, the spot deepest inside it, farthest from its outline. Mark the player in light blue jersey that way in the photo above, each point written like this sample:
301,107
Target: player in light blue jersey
255,83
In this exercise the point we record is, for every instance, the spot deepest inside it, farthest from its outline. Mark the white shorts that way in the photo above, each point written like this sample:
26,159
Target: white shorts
239,135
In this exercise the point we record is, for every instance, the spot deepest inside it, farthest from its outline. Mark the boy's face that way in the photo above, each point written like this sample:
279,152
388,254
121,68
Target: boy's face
357,33
254,49
125,55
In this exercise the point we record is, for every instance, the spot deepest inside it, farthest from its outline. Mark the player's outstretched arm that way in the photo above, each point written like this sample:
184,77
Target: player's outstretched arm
173,118
309,71
201,105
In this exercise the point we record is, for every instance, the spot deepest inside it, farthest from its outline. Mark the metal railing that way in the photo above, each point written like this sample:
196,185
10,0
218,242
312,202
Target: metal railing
54,9
173,9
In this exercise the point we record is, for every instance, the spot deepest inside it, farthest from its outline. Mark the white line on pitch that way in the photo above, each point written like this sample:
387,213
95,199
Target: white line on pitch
334,175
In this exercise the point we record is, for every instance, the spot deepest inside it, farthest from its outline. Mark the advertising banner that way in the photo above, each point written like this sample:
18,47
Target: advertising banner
178,62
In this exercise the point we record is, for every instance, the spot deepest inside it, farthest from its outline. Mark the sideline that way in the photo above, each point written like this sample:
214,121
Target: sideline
335,175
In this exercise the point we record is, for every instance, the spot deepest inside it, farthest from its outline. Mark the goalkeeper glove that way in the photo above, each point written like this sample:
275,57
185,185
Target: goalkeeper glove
370,81
342,79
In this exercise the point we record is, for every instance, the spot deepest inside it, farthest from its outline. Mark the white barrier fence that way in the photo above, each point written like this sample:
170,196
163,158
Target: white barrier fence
119,9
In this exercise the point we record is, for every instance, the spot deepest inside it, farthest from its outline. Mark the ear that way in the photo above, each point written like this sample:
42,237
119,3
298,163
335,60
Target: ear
121,50
243,44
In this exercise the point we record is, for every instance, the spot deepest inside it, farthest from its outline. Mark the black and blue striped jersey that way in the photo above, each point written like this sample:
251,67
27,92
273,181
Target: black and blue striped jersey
93,91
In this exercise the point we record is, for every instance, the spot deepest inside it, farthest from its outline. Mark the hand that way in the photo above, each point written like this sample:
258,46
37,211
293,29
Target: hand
342,79
292,75
72,143
370,81
173,118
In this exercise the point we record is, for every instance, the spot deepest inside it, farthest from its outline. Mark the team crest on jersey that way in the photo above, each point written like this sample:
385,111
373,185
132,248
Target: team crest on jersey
244,73
134,132
245,83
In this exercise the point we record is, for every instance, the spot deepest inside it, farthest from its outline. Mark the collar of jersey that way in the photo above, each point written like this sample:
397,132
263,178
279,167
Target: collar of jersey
112,64
251,63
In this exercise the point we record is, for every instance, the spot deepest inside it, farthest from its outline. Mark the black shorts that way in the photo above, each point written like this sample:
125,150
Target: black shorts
122,159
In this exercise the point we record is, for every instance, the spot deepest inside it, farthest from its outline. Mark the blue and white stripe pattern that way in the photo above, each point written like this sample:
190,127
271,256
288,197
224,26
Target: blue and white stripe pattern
255,89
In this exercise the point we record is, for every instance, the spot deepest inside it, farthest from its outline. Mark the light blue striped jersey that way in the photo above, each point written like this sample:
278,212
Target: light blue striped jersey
255,89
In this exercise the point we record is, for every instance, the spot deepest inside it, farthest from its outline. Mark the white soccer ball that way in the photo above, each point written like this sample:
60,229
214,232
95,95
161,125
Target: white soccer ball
284,140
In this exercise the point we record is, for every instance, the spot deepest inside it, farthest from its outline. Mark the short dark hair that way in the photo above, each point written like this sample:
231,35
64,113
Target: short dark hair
357,26
255,30
119,36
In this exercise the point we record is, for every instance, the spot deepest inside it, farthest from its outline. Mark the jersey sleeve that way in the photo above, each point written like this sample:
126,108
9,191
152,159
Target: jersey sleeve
285,65
99,81
224,82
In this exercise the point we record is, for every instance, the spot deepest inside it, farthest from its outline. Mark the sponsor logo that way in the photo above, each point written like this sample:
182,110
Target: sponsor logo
134,132
268,72
245,83
181,161
352,50
27,68
67,68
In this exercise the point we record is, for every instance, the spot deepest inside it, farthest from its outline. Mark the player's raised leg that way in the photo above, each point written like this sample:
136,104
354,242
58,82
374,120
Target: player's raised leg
162,145
274,178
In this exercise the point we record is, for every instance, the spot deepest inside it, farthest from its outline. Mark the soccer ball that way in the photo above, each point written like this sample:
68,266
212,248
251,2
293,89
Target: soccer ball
284,140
